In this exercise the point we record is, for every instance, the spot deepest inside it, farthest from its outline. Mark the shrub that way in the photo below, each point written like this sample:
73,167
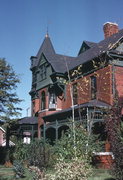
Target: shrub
76,169
39,154
21,151
84,145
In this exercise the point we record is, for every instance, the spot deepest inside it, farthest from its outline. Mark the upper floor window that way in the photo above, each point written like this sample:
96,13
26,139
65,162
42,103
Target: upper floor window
75,95
52,100
93,87
43,101
43,72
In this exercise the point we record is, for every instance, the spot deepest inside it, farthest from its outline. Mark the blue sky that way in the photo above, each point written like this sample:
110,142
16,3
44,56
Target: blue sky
23,25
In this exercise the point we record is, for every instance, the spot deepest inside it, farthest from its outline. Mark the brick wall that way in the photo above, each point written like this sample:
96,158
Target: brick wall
119,82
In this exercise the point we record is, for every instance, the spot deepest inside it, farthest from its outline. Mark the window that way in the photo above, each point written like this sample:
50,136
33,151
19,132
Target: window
43,101
93,87
43,72
75,95
52,100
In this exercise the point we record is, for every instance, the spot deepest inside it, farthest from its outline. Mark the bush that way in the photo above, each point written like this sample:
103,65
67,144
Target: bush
84,145
37,153
76,169
21,151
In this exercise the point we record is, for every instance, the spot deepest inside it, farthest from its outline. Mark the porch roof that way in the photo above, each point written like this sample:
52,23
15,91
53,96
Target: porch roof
28,120
66,113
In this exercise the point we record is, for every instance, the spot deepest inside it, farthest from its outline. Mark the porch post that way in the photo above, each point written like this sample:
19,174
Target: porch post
56,130
44,129
32,133
88,121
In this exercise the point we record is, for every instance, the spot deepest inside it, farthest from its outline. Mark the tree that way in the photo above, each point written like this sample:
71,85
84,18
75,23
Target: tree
9,100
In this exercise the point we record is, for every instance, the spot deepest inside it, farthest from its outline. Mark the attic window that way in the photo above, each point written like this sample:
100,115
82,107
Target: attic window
43,72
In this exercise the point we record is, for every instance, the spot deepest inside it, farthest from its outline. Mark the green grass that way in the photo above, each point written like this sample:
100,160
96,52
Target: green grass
8,174
100,174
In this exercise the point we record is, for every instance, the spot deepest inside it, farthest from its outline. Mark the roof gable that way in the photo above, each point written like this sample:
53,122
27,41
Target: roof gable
85,46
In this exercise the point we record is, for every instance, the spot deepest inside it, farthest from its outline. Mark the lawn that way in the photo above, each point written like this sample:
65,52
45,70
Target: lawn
100,174
8,174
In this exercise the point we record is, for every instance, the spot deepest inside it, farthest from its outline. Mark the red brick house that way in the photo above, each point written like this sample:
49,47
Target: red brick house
86,83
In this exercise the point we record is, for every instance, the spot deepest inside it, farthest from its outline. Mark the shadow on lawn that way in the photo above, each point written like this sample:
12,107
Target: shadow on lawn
109,179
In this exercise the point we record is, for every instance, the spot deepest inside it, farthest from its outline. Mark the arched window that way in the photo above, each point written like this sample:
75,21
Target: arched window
43,101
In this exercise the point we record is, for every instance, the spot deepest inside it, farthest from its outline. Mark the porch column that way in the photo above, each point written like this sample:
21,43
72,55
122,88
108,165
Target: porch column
56,130
44,129
89,123
32,132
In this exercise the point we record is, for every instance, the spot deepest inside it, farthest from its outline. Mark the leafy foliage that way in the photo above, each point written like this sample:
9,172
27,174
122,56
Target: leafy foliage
75,169
35,154
85,145
114,131
39,154
21,151
73,162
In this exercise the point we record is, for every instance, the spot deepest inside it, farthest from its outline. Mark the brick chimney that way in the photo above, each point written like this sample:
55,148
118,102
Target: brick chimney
110,28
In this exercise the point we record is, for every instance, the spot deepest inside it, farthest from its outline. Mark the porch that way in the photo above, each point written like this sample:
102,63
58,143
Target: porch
91,115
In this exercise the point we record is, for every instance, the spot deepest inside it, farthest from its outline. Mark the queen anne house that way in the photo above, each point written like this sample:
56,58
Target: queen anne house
81,87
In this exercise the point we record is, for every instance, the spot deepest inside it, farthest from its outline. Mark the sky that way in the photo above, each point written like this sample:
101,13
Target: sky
24,23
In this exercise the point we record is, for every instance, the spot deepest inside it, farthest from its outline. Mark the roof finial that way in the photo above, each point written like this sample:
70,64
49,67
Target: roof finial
47,34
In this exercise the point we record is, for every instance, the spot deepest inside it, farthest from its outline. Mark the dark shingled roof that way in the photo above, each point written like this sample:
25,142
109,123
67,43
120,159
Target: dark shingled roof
90,44
28,120
58,62
97,49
